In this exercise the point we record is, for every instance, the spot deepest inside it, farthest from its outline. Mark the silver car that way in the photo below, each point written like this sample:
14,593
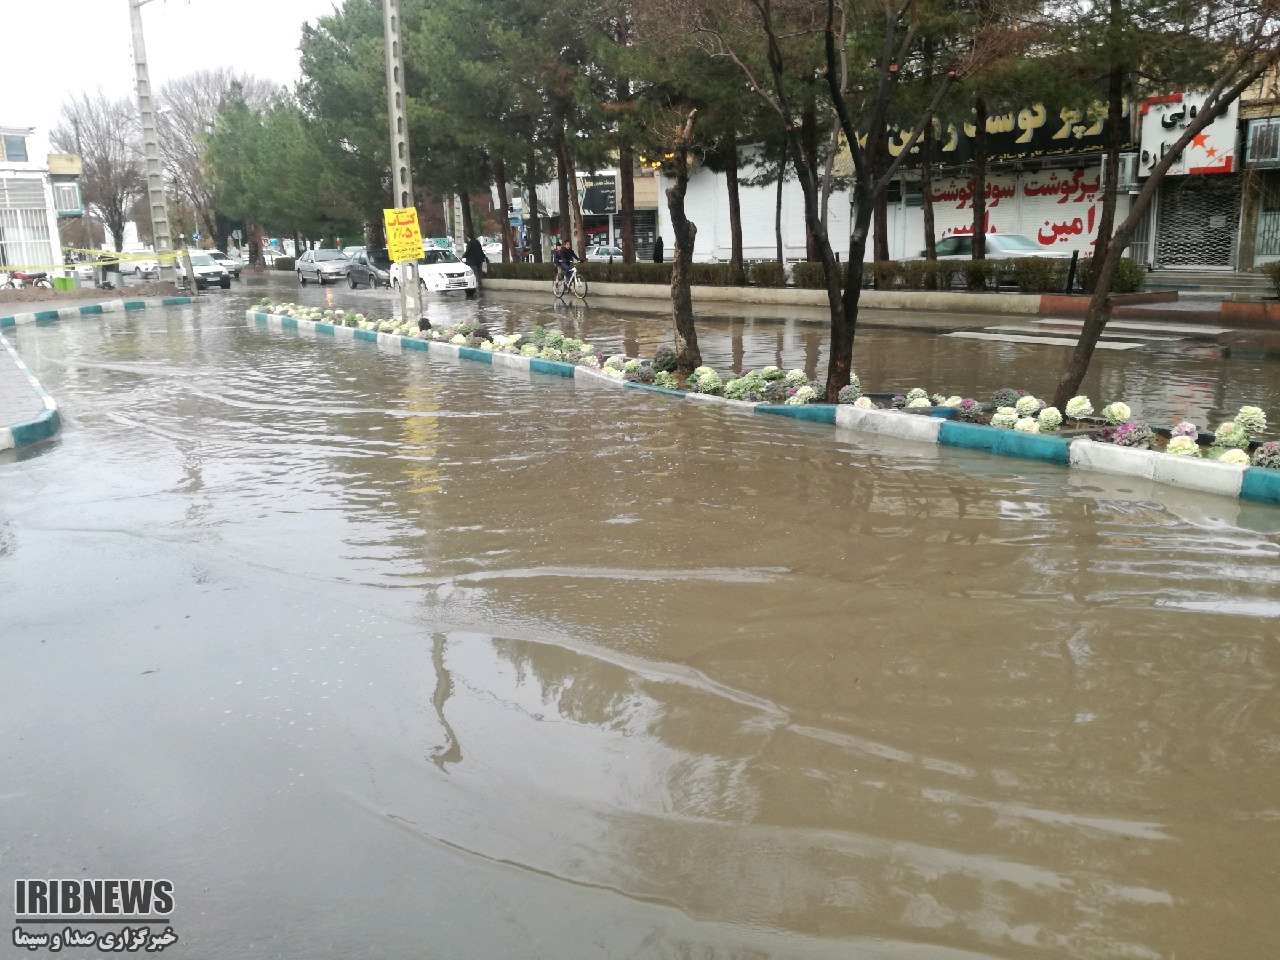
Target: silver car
1000,246
322,266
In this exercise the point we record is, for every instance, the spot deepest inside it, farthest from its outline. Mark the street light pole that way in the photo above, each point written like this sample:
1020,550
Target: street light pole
401,168
160,236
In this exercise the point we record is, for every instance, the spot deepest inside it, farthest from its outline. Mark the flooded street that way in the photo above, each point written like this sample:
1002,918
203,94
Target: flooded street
378,655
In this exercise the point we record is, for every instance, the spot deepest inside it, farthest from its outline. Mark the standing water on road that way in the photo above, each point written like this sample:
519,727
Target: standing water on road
373,654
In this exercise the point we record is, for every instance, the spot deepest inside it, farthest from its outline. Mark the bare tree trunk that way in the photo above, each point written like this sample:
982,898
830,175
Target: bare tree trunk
809,143
500,178
562,178
535,224
688,357
926,185
468,221
777,211
626,174
1111,172
575,202
980,179
735,209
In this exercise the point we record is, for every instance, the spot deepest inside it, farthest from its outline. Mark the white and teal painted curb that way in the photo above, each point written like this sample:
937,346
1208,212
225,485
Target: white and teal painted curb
1246,483
90,309
31,431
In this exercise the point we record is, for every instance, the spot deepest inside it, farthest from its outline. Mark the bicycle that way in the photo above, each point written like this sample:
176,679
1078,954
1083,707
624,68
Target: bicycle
576,283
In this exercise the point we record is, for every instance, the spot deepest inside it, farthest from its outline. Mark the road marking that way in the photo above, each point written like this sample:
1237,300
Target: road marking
1050,341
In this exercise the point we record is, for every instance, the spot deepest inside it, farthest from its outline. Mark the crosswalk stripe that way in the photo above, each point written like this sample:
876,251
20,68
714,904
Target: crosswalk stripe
1051,341
1069,332
1141,325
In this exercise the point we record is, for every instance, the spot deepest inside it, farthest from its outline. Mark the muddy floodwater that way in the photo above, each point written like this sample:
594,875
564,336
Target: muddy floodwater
377,655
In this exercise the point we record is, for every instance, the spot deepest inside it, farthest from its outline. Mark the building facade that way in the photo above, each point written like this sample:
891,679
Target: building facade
28,209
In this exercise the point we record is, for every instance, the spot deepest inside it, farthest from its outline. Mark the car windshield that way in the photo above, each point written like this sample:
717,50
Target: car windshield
379,258
438,256
1014,242
218,256
330,255
202,260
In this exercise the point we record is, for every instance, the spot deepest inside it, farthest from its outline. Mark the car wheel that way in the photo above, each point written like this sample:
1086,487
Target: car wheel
471,294
351,281
302,278
137,273
226,283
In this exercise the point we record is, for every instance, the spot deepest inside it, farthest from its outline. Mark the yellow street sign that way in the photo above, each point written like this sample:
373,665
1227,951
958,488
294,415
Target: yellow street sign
404,236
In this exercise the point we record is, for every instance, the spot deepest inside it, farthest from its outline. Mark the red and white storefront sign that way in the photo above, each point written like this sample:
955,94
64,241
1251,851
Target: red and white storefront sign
1058,209
1164,119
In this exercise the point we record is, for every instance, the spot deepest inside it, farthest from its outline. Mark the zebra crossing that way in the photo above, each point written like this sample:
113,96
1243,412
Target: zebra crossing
1118,335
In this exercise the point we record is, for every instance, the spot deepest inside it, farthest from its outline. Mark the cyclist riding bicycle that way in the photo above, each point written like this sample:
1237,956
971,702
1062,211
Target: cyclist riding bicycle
563,257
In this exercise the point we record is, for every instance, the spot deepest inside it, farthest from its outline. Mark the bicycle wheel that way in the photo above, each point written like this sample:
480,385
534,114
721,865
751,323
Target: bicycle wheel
579,286
558,287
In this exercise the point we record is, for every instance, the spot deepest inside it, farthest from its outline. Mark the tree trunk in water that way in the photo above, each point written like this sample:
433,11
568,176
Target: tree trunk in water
535,224
735,209
1111,173
980,179
562,178
500,178
777,211
626,171
926,186
468,221
688,357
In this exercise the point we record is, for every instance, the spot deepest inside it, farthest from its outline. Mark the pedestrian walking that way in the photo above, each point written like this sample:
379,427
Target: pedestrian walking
657,250
475,258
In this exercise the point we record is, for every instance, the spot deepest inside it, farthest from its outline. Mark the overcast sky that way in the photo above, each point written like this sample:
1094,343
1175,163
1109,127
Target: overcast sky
57,48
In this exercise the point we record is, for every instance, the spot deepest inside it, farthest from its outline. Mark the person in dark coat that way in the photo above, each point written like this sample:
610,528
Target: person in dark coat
657,250
474,257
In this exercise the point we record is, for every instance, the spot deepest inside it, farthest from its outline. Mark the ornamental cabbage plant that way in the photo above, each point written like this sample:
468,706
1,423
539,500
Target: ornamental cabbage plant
1050,419
1078,407
1027,406
664,360
1267,455
1116,413
848,394
864,403
1004,418
665,379
1183,446
796,378
1252,420
1231,434
805,394
915,393
1186,429
1235,457
1027,425
968,410
918,402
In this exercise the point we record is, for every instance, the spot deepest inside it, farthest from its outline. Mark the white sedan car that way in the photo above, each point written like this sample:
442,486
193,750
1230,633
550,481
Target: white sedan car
1000,246
148,268
440,271
208,272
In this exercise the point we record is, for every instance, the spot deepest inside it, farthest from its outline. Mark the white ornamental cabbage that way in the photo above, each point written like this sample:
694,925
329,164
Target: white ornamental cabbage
1027,425
1004,418
1027,406
1252,419
802,396
1078,407
631,366
1235,457
615,362
1117,413
953,401
1050,419
915,393
864,403
1183,447
796,378
458,340
918,402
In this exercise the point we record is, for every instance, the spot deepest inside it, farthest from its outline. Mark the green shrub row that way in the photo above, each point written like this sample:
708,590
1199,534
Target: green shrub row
1027,274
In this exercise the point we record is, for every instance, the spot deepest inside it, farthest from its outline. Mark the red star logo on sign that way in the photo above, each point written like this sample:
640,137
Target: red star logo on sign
1199,140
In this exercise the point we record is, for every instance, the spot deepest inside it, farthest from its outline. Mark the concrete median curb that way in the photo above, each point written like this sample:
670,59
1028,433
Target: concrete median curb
89,309
1207,476
43,426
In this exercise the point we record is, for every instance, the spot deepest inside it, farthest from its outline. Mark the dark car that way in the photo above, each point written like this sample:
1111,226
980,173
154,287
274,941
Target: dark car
369,268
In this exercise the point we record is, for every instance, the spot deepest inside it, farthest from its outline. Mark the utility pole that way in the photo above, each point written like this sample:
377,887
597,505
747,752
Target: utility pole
151,147
401,167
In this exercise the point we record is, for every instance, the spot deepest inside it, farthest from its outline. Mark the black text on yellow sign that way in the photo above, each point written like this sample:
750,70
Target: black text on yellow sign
404,236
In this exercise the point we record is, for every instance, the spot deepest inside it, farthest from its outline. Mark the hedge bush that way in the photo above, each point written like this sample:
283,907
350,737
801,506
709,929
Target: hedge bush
283,263
521,271
808,276
767,273
1272,272
1130,276
716,275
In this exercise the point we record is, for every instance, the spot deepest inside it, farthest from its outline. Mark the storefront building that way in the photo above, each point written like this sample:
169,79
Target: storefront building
28,213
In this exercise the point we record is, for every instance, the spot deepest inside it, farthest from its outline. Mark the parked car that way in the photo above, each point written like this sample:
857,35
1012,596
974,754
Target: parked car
321,266
148,268
1000,246
370,268
208,272
604,252
440,271
229,263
